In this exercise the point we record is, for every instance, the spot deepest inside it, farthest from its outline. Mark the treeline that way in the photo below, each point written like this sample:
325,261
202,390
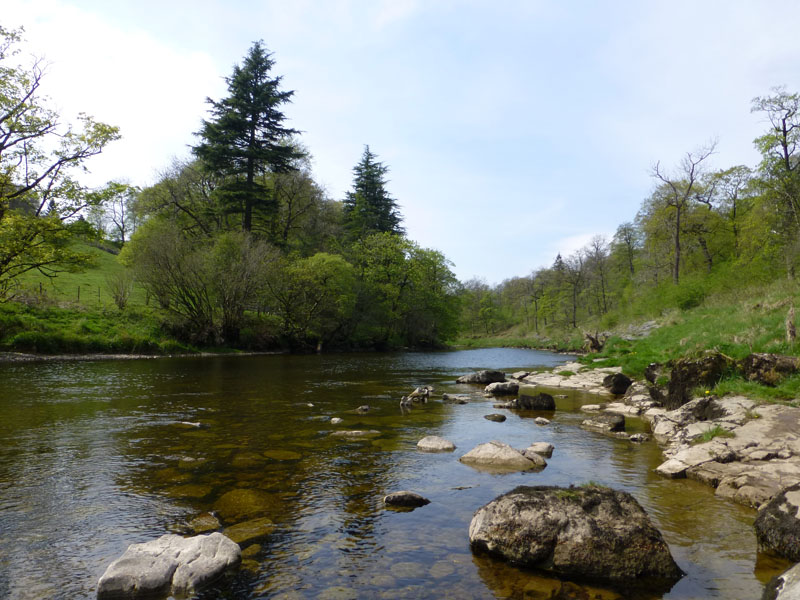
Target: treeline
236,246
242,247
700,231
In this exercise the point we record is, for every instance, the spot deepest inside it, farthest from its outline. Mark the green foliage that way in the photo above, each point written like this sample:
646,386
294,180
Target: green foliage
39,194
714,432
246,136
369,208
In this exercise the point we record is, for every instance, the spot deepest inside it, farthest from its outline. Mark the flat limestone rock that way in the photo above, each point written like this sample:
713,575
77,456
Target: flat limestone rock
356,433
169,564
673,469
434,443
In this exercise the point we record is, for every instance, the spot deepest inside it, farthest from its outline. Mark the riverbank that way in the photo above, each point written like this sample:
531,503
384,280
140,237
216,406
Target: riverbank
21,357
748,450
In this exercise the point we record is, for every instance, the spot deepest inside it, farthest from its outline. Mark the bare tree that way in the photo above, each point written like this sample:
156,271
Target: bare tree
680,188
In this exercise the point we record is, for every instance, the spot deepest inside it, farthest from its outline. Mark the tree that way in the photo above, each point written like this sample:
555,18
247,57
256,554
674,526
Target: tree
114,209
369,208
780,166
246,137
38,155
678,191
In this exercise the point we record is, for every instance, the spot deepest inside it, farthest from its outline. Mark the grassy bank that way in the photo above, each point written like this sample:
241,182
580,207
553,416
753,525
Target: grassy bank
736,322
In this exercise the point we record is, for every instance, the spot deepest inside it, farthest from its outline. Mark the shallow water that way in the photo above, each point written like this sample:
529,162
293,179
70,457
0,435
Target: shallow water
93,457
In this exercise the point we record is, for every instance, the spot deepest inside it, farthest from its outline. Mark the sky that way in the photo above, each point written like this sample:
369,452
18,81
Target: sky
513,130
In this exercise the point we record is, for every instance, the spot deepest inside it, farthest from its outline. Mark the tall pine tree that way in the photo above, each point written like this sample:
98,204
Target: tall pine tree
245,136
369,208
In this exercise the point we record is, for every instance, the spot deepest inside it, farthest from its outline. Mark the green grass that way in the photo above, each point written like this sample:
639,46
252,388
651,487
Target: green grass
566,373
714,432
87,289
79,330
75,313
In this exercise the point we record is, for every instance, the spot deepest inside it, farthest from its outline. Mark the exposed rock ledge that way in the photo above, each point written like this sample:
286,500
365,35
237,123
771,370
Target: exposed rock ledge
590,380
757,457
755,454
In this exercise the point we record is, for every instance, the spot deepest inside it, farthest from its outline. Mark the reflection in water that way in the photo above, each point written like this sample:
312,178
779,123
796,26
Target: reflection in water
95,456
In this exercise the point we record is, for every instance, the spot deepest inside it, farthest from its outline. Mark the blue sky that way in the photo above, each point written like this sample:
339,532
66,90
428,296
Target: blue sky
513,130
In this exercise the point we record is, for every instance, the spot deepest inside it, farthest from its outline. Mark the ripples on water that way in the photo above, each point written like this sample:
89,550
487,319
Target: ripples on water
93,457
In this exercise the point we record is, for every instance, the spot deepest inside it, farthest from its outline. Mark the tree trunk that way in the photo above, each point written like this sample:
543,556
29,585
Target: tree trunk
677,266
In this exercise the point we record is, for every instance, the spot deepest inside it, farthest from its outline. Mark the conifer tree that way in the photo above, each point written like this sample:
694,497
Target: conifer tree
246,137
369,208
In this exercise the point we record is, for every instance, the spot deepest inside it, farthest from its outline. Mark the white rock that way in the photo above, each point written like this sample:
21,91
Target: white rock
497,455
541,448
434,443
171,564
674,469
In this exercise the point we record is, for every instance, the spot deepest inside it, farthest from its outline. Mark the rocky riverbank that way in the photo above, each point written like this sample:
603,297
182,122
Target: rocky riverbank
748,451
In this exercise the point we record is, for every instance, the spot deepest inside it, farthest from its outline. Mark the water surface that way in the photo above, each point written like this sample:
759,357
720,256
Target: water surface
97,455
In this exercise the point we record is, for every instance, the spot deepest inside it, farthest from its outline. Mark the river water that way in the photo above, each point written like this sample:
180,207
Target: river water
98,455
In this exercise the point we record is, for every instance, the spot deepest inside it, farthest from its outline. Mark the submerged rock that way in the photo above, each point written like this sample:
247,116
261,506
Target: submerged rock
406,499
541,421
251,530
434,443
171,564
244,503
484,377
778,524
356,433
498,456
455,398
605,423
205,522
589,532
497,418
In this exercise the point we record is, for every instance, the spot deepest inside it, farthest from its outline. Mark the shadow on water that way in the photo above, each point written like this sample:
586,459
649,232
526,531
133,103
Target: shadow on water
95,456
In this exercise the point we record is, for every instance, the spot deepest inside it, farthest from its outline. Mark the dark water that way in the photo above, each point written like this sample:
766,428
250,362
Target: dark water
93,457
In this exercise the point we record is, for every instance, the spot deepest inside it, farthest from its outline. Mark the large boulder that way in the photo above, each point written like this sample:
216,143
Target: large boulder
778,524
484,377
690,373
785,586
169,565
588,532
768,369
502,388
617,383
529,400
497,456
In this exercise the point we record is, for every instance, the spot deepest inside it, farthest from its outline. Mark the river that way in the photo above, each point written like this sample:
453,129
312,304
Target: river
97,455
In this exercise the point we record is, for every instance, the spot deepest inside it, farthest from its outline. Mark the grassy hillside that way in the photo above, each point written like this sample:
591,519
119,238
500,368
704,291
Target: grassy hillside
76,313
734,321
